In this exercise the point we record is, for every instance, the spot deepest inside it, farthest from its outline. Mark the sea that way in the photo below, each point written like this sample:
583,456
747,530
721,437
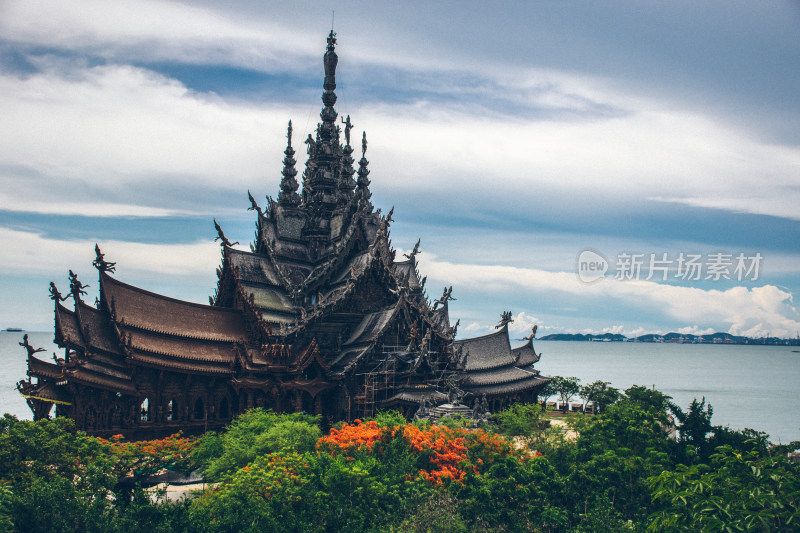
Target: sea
748,386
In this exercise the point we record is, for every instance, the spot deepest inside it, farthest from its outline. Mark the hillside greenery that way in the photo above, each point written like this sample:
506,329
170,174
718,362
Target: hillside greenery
614,471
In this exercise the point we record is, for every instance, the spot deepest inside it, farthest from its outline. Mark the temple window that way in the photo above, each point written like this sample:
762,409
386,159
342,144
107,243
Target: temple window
145,410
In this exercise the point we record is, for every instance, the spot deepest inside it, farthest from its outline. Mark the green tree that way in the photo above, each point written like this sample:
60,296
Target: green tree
734,492
45,449
695,426
434,513
254,433
6,502
523,420
650,399
547,391
273,493
566,388
601,394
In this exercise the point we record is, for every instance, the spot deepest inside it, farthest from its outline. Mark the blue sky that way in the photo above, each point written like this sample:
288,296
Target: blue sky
509,136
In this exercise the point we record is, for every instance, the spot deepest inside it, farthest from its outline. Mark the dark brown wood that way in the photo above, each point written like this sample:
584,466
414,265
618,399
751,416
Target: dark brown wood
318,316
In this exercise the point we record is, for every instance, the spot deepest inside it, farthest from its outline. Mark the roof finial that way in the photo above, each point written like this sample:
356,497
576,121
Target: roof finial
330,61
100,262
505,319
362,185
364,144
76,287
288,195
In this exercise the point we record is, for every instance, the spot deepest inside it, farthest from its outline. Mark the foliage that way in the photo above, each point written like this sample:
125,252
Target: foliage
57,479
141,458
735,492
651,400
695,426
566,388
390,417
519,420
620,472
6,501
255,433
436,513
601,394
266,495
613,457
455,420
440,454
45,448
548,391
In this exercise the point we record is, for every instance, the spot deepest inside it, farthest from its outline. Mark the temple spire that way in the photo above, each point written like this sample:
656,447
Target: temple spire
288,195
362,186
329,60
346,182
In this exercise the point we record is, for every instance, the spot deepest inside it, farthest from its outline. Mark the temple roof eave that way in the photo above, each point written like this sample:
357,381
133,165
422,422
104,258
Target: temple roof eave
508,388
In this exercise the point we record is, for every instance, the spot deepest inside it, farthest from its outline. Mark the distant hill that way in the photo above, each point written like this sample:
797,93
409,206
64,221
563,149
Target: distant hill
674,338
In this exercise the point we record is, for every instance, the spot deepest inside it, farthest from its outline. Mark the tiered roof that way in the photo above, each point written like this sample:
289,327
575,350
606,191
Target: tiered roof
320,286
492,367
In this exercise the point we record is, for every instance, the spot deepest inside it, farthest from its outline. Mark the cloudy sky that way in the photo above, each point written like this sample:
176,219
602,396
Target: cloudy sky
590,166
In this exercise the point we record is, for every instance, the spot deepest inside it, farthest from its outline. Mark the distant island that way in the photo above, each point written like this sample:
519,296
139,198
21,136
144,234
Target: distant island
674,338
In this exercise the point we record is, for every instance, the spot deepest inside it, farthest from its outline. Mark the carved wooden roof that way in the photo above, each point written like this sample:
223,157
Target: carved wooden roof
496,376
509,388
253,268
371,326
97,330
179,348
187,366
416,396
408,269
526,355
487,352
68,331
101,378
47,391
42,369
149,311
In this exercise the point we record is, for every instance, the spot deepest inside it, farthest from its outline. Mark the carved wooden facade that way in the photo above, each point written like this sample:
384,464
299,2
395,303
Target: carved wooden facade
320,315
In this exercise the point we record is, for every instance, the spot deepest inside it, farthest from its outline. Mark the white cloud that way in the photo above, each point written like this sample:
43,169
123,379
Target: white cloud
149,30
32,254
119,125
523,324
662,154
472,327
740,310
695,330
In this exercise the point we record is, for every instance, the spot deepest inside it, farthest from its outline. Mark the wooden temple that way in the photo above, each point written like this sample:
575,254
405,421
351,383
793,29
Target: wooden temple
319,315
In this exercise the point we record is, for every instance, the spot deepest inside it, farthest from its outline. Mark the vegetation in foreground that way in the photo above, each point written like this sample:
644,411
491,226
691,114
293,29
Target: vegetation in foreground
618,471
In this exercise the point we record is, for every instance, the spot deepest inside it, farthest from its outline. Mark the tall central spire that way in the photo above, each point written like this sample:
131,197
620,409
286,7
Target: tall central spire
330,60
323,171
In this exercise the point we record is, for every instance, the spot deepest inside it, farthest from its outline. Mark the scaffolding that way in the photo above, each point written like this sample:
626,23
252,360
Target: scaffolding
379,383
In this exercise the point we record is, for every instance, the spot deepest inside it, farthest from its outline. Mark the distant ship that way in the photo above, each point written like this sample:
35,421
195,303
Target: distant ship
15,330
